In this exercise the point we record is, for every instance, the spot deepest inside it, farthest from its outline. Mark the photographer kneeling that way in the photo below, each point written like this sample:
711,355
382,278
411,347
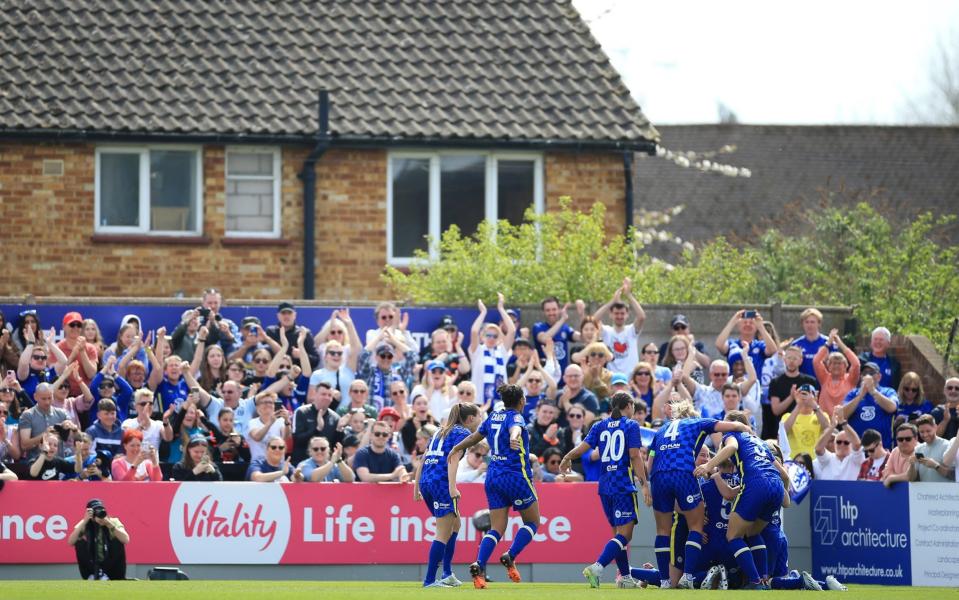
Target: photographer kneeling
99,543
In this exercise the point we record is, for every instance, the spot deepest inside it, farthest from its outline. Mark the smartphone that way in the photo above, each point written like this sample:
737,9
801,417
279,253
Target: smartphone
10,374
920,455
749,314
278,405
254,330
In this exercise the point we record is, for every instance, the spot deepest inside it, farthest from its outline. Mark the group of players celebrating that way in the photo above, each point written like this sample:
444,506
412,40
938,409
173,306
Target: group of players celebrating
723,510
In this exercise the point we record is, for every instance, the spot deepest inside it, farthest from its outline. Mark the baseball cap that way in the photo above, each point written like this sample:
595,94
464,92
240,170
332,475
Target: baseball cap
249,320
619,378
384,347
447,322
512,312
679,320
870,365
389,411
350,441
807,387
435,364
72,317
522,342
196,439
283,306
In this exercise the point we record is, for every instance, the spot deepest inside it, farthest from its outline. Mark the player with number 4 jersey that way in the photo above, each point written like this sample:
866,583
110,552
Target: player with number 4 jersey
509,482
673,455
619,441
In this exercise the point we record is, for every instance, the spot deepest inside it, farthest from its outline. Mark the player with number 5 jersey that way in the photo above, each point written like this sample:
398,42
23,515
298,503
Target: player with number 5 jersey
435,483
619,441
509,482
673,455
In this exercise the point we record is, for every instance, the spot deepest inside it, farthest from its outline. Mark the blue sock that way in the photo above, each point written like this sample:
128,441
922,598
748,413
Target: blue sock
448,556
437,549
786,583
662,555
611,550
744,558
622,561
523,537
694,547
486,547
650,576
758,548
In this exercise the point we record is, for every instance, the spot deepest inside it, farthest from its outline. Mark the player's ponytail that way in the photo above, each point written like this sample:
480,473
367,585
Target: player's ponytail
682,409
458,414
618,404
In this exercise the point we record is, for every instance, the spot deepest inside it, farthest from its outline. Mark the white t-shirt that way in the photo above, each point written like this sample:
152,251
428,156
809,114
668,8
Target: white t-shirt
440,404
151,434
624,346
258,448
829,467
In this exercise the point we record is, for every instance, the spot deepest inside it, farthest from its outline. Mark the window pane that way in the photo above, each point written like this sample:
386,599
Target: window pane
173,201
119,190
514,182
249,205
411,205
462,192
243,163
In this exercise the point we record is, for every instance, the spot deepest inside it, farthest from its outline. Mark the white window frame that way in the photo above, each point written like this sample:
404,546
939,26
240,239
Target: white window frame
491,200
144,195
277,187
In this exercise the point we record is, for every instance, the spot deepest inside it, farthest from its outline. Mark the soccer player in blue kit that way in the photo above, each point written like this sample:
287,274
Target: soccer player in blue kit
673,454
509,482
435,483
759,498
619,441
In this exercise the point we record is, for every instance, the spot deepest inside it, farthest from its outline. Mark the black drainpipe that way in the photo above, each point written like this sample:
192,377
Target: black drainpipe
308,177
628,177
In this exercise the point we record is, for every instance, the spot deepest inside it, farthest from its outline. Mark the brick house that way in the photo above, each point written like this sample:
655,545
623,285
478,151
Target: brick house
158,147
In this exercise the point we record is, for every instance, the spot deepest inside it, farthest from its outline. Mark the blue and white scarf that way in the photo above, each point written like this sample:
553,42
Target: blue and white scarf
494,372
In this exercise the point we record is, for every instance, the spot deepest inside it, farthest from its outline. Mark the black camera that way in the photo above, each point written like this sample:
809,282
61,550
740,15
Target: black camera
100,512
204,313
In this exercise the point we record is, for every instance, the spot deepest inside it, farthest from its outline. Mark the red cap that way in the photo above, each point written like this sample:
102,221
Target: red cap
72,317
389,411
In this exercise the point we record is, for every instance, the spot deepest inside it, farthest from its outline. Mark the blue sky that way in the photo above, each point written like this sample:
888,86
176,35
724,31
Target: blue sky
816,62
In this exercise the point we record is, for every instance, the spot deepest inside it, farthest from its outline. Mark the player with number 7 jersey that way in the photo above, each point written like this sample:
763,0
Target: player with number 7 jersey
619,441
673,455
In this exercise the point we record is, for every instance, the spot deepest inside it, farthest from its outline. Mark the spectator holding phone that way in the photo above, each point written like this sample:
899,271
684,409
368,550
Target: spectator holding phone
220,330
272,421
139,461
228,444
197,464
930,453
755,341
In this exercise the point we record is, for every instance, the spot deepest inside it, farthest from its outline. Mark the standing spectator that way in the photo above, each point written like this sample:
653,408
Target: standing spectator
901,464
419,416
782,394
806,421
556,329
106,432
448,350
812,339
680,327
489,351
196,464
708,399
28,327
945,414
678,350
912,398
183,341
876,456
62,399
575,432
377,462
439,390
871,405
889,368
753,337
188,422
43,418
596,377
359,401
272,421
385,358
153,431
128,342
221,330
340,351
590,330
107,383
32,368
76,348
314,419
91,331
574,393
640,382
9,355
536,383
930,453
321,466
621,338
844,464
252,339
650,354
286,316
837,372
9,436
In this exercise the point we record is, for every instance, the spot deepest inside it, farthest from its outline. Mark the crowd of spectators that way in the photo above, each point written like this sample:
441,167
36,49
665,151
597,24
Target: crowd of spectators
270,402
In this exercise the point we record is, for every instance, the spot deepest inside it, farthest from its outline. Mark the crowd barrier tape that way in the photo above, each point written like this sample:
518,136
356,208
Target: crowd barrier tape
866,533
268,523
422,320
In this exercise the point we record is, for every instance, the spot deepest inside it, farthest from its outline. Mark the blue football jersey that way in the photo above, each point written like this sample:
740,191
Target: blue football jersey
718,508
503,458
434,461
614,438
677,443
753,458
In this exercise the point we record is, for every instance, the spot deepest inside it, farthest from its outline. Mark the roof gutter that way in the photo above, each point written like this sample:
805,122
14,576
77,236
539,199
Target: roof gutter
628,186
348,141
308,176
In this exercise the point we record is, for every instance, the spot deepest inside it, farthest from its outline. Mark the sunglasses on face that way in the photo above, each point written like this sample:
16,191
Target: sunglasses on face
261,361
357,391
646,373
953,388
105,386
902,440
75,325
386,355
143,404
320,449
597,355
337,332
398,393
381,434
871,450
723,374
386,317
650,351
574,416
272,447
466,393
64,386
334,353
39,357
534,381
680,327
910,389
490,335
843,442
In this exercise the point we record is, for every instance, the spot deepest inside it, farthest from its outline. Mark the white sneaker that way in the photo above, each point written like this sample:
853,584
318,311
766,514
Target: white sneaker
809,583
451,580
686,582
437,584
592,574
723,578
665,584
833,584
711,580
627,582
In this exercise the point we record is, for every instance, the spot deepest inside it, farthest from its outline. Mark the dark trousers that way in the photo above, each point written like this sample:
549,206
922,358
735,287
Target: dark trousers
114,565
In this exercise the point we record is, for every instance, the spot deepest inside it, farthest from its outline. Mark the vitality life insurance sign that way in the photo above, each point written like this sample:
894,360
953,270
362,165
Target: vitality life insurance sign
866,533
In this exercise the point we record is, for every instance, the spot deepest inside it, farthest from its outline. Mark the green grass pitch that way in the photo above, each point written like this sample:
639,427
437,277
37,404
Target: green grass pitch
332,590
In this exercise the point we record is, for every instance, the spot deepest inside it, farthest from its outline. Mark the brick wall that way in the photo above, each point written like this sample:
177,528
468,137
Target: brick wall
49,247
